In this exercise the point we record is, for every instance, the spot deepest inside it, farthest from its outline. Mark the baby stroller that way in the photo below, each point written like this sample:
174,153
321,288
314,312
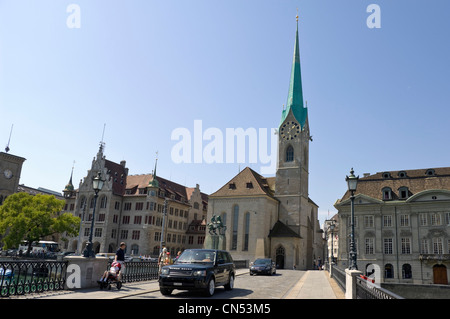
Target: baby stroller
111,277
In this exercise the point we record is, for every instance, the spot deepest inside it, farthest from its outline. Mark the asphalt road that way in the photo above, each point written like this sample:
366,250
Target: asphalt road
245,287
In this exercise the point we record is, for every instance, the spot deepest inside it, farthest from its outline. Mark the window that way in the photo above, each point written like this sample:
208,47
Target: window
402,174
388,271
447,219
387,243
136,234
387,193
387,221
403,192
232,186
101,217
139,206
250,185
404,220
437,246
235,227
125,219
430,172
247,231
423,219
406,271
435,219
386,175
406,245
127,206
369,243
424,246
290,154
103,202
137,219
124,234
98,232
368,221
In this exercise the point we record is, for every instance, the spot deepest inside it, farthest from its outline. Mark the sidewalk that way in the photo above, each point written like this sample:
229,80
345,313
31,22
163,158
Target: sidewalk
316,284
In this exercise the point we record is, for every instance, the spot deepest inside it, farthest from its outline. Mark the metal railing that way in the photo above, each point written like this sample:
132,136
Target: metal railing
139,271
24,277
338,275
366,290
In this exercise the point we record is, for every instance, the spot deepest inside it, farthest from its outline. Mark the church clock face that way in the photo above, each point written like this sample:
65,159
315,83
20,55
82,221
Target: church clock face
7,173
290,130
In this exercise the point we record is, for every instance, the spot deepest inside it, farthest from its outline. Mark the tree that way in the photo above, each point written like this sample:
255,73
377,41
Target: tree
32,218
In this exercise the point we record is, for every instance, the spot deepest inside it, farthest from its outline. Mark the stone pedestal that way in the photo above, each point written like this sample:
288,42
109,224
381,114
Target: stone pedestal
84,272
215,242
350,283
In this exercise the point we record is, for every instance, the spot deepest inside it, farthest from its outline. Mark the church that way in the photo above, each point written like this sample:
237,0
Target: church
273,217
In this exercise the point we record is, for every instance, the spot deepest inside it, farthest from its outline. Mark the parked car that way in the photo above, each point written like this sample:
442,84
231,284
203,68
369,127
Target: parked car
263,266
199,269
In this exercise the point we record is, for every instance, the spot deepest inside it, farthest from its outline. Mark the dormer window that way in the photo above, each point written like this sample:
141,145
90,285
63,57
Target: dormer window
386,175
387,193
402,174
403,192
430,172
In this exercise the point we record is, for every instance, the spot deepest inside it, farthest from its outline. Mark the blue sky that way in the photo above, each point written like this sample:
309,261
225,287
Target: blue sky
378,99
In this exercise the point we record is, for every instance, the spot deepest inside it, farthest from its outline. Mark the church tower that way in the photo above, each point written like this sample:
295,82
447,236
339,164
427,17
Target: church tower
291,183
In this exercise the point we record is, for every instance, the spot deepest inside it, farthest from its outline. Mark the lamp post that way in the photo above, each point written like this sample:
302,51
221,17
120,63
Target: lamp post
332,238
97,185
352,183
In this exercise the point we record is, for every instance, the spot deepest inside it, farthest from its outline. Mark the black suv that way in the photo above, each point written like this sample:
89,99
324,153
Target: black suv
198,269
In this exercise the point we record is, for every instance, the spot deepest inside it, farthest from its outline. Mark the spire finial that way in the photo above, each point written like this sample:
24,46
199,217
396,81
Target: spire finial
9,140
296,17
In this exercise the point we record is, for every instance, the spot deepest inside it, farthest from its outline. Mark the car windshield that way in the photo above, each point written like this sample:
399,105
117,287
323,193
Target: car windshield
197,256
262,262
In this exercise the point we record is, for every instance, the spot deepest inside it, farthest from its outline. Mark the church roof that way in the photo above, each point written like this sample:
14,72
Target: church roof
295,95
282,230
416,180
247,183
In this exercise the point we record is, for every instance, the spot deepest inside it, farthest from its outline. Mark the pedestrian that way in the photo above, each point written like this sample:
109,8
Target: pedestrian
120,258
178,255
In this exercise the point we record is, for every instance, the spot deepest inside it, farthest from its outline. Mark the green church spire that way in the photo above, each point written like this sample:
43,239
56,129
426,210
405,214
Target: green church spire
295,95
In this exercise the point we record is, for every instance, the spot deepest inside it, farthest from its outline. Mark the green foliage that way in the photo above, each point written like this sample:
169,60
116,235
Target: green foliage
32,218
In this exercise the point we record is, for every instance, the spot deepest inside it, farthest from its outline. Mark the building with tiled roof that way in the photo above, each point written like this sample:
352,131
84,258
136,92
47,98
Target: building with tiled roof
130,209
402,221
274,216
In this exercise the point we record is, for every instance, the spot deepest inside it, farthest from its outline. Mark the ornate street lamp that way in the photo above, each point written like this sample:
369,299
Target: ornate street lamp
97,185
332,238
352,183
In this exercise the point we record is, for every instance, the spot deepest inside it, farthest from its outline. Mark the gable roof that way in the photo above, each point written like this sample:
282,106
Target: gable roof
416,180
247,183
135,182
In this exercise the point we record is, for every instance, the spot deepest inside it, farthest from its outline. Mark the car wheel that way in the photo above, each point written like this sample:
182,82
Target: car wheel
230,284
165,291
209,291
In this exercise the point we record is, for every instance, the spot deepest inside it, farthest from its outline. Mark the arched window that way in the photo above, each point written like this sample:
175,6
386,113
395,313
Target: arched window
406,271
246,231
234,237
103,202
290,154
388,271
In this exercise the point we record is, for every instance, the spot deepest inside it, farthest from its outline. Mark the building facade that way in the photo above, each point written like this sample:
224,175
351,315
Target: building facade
402,226
131,209
274,216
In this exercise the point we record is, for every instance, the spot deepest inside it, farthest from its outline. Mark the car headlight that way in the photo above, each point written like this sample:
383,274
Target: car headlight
165,271
199,273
